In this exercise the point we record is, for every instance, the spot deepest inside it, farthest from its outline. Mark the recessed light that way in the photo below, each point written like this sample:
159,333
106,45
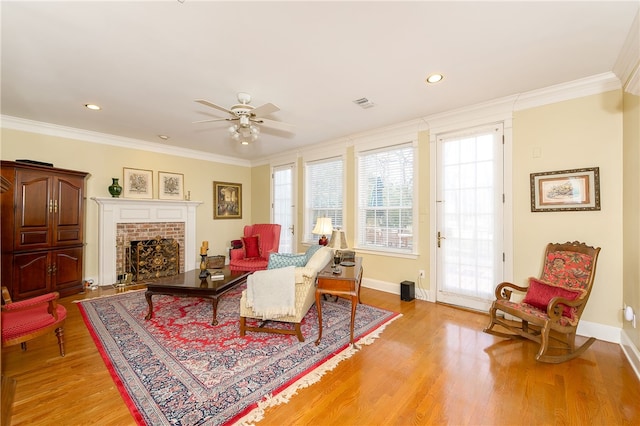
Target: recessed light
93,107
163,137
434,78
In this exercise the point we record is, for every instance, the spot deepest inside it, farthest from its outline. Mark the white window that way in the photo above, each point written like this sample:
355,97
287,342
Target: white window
324,183
385,199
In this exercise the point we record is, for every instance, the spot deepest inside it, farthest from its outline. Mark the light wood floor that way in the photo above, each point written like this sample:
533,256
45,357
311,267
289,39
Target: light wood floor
432,366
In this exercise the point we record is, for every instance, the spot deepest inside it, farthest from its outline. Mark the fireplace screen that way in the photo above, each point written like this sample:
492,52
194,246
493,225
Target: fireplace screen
155,258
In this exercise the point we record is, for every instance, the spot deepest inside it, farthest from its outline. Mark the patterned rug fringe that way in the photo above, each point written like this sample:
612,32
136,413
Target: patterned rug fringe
309,379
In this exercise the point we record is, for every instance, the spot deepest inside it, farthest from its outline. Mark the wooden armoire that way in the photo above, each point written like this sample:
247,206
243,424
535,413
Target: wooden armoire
42,229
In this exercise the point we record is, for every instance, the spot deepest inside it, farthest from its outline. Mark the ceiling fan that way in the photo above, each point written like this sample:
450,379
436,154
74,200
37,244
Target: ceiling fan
247,117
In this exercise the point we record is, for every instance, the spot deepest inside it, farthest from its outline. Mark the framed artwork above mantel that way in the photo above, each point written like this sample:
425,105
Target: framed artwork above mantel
137,183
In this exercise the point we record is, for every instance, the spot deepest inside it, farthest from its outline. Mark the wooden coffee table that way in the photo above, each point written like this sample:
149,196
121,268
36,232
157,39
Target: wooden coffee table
188,284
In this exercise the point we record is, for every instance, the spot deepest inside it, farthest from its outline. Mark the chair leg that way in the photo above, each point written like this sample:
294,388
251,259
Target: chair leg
60,336
299,332
243,325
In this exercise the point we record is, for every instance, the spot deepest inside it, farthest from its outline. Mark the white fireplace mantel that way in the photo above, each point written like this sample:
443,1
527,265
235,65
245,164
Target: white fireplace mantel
113,211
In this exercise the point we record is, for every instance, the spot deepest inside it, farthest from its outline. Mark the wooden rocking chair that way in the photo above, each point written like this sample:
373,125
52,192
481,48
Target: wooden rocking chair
552,305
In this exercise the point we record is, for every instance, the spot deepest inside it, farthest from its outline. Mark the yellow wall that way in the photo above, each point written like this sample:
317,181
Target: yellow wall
261,194
631,185
105,162
579,133
584,132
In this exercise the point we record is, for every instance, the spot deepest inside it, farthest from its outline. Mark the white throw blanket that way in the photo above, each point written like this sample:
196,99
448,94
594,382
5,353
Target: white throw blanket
272,293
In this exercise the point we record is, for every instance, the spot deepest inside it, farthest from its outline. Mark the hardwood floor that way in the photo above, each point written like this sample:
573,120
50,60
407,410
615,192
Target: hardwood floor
431,366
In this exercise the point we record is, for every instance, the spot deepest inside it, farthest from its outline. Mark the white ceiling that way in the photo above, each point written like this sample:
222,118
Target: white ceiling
145,62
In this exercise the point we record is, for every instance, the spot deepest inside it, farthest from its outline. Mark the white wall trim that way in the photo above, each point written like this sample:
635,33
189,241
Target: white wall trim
394,288
49,129
603,332
631,352
626,66
588,86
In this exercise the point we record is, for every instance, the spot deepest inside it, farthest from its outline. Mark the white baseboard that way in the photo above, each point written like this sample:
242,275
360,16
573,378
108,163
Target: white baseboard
631,352
599,331
393,288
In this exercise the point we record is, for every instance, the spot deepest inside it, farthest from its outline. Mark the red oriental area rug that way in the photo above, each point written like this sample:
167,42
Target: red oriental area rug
179,369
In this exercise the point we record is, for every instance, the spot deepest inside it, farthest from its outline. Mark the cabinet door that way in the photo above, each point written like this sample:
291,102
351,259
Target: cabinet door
68,209
33,210
31,275
67,270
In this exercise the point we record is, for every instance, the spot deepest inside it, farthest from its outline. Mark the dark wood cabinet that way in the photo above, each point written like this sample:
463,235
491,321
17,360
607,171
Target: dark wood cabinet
42,229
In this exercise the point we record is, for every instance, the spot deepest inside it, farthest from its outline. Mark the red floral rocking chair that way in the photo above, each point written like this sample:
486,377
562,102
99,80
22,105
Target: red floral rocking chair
553,304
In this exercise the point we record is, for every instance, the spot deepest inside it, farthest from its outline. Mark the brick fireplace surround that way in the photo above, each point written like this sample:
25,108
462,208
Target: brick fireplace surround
119,217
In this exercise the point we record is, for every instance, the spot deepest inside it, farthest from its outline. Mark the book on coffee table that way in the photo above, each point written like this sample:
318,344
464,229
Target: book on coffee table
217,275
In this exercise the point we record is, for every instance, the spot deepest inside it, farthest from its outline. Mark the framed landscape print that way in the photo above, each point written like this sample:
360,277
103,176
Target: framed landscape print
170,186
227,200
137,183
566,190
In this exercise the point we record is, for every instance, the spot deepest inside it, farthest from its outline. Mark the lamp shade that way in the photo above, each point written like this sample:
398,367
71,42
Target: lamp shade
338,240
323,226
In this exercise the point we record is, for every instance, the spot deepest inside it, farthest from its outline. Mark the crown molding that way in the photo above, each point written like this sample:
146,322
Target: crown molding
588,86
49,129
628,62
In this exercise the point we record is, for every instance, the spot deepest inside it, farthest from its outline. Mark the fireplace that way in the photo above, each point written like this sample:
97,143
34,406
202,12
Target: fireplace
155,258
122,220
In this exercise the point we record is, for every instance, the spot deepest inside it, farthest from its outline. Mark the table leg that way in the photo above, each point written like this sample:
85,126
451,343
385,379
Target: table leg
214,304
319,308
147,295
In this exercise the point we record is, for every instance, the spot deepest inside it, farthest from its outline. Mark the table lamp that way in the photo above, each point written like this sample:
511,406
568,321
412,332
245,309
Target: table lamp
338,242
323,227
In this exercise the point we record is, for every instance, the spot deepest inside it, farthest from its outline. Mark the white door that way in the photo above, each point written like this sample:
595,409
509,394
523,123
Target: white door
284,206
469,216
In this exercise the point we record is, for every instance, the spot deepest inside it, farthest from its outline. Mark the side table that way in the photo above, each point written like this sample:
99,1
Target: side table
344,284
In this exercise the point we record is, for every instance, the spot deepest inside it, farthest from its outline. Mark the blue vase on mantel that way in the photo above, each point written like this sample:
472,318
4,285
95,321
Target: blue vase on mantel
115,189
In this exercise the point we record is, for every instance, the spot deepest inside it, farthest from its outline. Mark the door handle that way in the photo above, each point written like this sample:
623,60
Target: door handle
291,228
440,237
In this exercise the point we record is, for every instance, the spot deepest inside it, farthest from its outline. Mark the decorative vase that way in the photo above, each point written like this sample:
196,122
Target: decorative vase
115,189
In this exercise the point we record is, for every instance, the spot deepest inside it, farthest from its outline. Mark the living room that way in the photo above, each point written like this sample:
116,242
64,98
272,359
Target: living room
588,122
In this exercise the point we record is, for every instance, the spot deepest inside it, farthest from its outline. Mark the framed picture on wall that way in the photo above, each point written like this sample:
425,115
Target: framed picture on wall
170,186
137,183
227,200
566,190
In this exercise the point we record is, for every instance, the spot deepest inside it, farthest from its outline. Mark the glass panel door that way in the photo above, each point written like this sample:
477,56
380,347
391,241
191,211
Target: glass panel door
469,239
284,206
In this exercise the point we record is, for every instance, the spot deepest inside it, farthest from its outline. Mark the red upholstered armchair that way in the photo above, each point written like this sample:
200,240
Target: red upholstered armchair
27,319
258,242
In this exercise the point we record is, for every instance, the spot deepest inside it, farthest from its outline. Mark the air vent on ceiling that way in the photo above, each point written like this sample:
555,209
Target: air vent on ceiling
364,103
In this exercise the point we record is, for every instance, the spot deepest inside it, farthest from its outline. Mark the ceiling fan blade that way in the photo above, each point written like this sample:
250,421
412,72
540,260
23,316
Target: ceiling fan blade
278,125
213,119
265,109
212,105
